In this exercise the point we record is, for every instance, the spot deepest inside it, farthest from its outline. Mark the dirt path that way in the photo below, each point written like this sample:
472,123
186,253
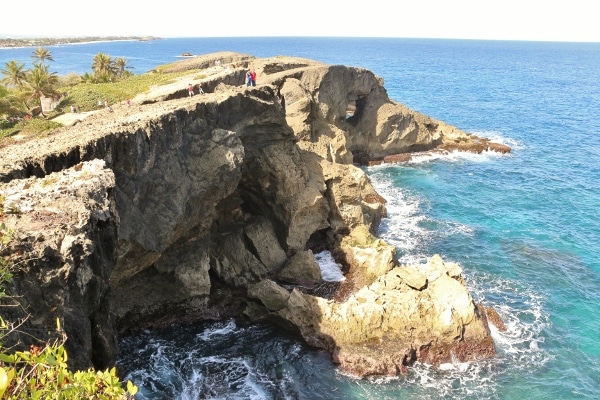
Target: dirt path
68,119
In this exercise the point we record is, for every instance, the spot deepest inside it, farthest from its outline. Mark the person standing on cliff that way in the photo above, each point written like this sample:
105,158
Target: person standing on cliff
253,77
190,90
248,78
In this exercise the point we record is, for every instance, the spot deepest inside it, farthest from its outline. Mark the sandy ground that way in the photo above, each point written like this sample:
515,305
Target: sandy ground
68,119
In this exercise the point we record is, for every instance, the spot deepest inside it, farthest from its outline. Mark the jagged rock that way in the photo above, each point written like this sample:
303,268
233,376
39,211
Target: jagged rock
273,296
224,190
413,278
64,243
368,257
494,318
386,326
301,269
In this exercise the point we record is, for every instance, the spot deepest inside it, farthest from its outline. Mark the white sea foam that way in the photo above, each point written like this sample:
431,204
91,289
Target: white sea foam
522,311
330,270
401,226
520,346
497,137
218,329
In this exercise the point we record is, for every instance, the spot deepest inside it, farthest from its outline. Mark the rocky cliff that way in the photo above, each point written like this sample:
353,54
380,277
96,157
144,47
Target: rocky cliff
181,208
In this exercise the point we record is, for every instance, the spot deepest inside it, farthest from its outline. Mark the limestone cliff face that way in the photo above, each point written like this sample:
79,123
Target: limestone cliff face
181,209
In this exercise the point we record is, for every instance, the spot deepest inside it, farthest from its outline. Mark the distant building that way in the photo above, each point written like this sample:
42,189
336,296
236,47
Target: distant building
50,103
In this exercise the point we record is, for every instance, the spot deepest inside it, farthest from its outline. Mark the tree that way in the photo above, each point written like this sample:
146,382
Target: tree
103,67
10,104
14,75
88,78
120,64
41,54
40,83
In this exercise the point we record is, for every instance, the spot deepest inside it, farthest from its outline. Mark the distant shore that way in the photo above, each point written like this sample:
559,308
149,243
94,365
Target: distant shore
36,42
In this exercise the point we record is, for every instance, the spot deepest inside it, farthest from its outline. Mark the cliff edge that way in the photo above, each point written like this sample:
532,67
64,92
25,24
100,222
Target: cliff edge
181,208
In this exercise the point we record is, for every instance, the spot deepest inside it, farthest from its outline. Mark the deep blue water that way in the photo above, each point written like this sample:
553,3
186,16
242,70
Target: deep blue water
525,226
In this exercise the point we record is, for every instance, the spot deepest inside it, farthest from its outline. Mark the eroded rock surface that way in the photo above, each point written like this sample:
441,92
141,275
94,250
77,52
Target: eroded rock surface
211,207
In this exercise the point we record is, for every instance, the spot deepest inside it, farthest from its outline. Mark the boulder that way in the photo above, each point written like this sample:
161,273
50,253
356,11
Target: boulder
301,269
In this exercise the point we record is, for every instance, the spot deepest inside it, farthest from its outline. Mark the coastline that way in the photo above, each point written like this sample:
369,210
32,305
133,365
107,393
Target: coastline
35,42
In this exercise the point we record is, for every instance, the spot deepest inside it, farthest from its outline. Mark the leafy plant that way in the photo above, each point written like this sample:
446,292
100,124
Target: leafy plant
5,266
41,373
36,125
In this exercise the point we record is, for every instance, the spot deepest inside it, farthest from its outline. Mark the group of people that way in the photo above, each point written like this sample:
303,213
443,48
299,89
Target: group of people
251,78
106,105
191,90
250,81
101,104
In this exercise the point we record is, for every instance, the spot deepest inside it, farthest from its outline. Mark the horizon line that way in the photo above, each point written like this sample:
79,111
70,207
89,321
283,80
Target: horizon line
4,36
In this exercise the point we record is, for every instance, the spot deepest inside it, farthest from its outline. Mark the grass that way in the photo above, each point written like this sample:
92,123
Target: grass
87,95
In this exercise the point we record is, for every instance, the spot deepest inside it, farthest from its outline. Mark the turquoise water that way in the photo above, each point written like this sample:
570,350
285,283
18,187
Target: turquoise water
524,226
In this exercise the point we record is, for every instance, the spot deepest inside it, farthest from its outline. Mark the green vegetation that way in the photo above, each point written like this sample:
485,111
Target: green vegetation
41,372
86,95
110,80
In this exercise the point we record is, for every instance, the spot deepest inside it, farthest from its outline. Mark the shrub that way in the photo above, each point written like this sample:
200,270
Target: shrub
71,79
41,373
36,125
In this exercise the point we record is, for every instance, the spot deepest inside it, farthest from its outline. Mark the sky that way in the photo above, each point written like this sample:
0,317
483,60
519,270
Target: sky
548,20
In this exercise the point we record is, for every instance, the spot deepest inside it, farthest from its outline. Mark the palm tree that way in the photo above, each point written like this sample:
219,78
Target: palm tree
10,104
41,54
120,64
88,78
103,65
40,83
14,75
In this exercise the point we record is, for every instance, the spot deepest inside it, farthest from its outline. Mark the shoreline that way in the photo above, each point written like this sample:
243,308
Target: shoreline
36,42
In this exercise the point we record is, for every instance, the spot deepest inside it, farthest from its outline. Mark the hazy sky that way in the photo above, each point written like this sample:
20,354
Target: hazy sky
575,20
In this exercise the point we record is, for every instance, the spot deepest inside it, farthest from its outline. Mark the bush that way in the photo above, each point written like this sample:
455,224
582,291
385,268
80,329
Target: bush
37,125
42,373
71,79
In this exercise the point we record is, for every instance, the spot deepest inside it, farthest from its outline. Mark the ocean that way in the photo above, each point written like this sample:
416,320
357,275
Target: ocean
524,226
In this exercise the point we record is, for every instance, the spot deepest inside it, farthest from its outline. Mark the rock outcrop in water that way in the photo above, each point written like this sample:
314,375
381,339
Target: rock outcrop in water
181,209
